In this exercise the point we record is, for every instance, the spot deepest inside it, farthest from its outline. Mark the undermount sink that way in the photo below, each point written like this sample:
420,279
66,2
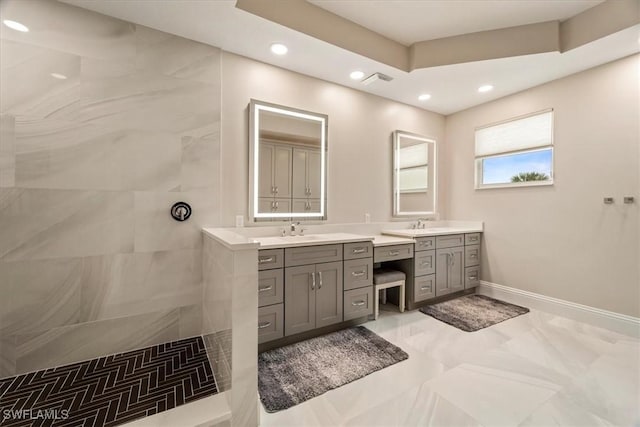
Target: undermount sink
309,239
417,232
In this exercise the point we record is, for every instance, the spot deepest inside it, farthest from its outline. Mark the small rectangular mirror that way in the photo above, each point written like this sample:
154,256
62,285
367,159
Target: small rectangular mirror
414,175
287,163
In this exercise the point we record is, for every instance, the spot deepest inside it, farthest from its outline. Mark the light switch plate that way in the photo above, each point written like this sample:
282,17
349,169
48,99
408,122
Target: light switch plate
367,218
239,221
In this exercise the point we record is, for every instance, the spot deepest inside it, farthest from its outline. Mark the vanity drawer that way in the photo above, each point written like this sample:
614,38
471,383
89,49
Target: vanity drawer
424,287
358,273
270,258
449,241
392,253
270,323
471,277
312,255
472,239
425,243
358,250
358,303
471,255
270,287
424,263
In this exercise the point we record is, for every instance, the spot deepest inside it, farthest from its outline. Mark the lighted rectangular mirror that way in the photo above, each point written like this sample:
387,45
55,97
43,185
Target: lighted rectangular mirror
414,175
287,163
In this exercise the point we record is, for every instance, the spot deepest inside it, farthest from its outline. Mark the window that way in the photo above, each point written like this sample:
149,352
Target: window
515,153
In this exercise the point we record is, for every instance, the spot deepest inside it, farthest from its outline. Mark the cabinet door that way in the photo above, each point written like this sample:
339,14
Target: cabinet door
282,171
300,187
328,293
299,299
456,271
265,172
314,175
442,272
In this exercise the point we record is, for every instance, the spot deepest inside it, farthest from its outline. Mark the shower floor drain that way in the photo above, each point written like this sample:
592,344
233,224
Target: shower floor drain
110,390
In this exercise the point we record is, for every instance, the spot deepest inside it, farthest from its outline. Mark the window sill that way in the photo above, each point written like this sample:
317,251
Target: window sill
516,185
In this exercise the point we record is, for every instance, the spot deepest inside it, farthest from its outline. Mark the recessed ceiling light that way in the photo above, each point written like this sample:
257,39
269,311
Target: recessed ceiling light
15,25
356,75
485,88
279,49
424,97
59,76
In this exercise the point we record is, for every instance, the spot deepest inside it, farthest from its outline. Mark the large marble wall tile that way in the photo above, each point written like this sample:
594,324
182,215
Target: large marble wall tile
144,100
60,346
244,372
218,277
129,284
40,224
176,56
191,320
200,159
7,357
64,155
7,151
37,295
28,87
155,228
66,28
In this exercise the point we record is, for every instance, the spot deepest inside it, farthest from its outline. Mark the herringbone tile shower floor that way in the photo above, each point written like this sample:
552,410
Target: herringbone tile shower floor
110,390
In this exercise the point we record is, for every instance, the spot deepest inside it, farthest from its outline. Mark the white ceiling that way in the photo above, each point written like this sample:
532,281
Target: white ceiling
453,87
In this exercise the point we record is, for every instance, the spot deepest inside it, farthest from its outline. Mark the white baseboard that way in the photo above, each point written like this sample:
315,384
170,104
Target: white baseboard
621,323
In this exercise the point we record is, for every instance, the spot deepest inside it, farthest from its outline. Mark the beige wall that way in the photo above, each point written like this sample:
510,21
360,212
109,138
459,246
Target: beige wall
91,263
360,127
562,241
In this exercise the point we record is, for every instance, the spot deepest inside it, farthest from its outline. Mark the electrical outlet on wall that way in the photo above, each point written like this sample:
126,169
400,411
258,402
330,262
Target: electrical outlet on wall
239,221
367,218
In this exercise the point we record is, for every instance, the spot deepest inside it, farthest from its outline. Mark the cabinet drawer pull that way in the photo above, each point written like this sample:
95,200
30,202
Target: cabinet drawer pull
473,239
265,289
264,325
473,256
394,253
358,273
424,288
357,303
473,277
358,251
427,243
425,264
262,260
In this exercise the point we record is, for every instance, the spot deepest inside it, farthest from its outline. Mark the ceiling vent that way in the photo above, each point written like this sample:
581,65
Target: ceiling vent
376,76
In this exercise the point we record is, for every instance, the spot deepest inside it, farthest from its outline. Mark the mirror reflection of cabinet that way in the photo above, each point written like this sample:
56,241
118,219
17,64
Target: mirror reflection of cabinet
414,175
287,163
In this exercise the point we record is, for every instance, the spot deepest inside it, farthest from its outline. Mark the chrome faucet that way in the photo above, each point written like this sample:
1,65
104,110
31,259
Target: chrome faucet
293,227
422,222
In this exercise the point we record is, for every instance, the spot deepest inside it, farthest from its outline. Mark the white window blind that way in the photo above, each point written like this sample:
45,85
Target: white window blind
414,155
520,134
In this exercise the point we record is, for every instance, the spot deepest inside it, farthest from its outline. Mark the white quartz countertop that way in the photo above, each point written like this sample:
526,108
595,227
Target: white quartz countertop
390,240
309,240
432,231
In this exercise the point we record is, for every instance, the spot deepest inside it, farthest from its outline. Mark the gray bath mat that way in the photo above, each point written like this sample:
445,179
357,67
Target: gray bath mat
473,312
298,372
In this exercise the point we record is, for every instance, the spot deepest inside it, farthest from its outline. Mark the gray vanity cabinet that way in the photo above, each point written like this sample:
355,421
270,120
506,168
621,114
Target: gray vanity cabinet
312,297
450,272
275,171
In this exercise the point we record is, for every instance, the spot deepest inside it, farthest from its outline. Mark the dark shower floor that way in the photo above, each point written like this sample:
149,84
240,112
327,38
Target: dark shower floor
110,390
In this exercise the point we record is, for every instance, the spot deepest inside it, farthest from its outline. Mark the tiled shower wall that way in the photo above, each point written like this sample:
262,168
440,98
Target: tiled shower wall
91,263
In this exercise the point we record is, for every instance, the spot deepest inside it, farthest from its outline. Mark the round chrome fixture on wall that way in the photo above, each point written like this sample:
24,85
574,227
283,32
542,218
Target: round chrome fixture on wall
181,211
